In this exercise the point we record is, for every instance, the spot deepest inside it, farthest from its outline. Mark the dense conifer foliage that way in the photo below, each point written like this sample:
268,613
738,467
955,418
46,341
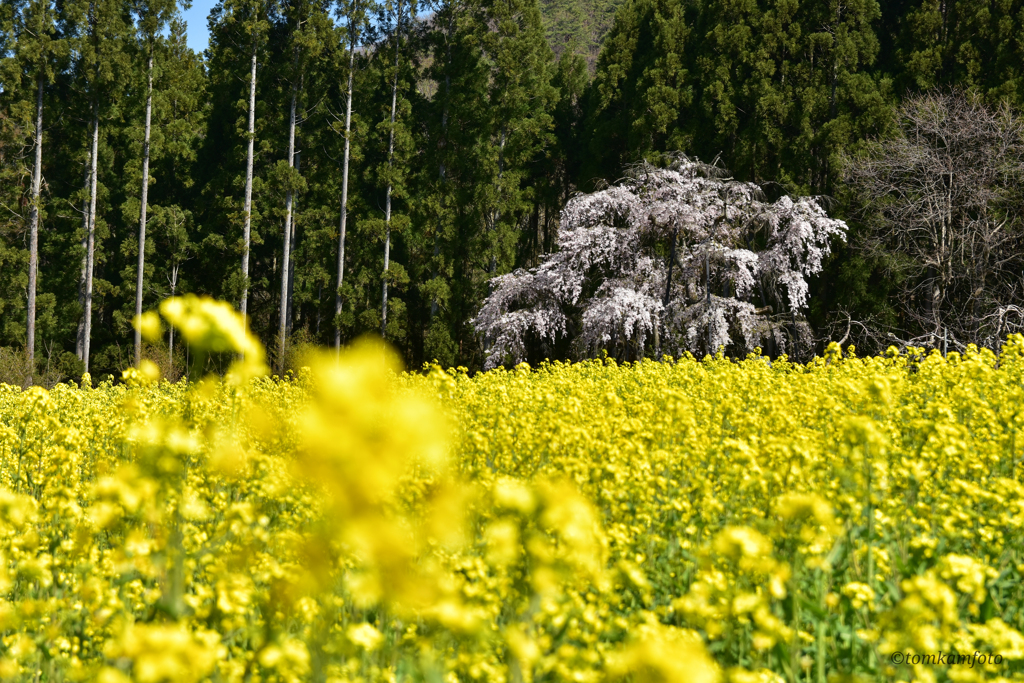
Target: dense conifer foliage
343,167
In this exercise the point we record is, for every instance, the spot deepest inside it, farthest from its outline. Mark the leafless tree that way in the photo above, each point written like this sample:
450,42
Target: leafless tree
944,197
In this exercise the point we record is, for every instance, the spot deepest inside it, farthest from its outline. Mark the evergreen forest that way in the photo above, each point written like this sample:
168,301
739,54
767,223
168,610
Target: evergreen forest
342,167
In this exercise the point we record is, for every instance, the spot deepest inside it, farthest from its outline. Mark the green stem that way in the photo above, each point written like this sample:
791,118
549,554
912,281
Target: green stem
820,630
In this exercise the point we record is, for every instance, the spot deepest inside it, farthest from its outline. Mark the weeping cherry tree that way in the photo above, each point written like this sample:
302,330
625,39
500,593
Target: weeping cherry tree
669,260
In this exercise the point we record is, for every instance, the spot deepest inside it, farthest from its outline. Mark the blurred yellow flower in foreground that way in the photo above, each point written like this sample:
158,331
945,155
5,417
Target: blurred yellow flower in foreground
211,326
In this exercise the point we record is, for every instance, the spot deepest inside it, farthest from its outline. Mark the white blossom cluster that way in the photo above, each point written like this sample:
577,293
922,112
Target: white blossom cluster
617,283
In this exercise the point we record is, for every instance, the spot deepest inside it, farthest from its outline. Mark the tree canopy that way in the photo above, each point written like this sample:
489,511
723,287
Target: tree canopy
669,260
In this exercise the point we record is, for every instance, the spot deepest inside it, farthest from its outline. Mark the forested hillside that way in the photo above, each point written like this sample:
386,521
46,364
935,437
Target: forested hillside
338,168
578,26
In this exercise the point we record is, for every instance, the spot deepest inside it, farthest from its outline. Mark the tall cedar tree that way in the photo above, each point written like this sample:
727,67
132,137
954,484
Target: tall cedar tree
14,140
521,99
152,18
394,69
314,180
305,24
556,179
456,134
235,152
175,124
179,121
354,15
101,64
37,47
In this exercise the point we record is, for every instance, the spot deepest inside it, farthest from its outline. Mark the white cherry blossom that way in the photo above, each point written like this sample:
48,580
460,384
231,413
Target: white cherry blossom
612,285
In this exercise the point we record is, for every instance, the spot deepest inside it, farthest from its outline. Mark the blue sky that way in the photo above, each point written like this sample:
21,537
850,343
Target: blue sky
198,35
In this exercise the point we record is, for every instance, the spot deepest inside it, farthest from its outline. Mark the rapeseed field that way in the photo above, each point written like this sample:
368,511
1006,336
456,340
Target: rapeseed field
848,519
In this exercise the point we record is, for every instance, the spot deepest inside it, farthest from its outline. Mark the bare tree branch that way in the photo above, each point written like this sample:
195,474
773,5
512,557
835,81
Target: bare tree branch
944,193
